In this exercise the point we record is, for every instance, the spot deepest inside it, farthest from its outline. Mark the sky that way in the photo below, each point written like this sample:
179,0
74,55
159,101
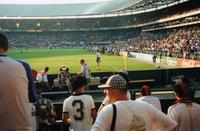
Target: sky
47,1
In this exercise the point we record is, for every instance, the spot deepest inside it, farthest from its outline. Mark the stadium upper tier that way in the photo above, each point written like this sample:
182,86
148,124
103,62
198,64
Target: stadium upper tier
65,9
19,10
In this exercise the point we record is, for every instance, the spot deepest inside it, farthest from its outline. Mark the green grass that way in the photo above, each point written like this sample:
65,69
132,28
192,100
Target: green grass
56,58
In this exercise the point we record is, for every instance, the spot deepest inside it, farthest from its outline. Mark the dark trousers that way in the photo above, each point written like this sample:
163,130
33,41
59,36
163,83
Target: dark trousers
44,127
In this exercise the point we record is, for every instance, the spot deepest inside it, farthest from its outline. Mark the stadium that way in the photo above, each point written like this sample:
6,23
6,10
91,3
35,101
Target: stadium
155,41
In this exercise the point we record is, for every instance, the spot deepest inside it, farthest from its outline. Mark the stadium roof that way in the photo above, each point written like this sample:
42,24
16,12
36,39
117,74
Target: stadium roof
15,10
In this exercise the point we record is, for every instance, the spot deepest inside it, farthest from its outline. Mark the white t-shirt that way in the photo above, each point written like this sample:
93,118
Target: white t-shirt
85,71
98,56
42,76
151,100
133,116
79,108
14,102
186,116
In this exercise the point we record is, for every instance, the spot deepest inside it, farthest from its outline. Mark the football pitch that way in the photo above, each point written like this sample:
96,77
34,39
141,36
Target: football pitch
56,58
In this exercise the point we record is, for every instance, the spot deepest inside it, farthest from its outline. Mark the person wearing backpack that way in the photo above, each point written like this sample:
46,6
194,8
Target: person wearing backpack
45,111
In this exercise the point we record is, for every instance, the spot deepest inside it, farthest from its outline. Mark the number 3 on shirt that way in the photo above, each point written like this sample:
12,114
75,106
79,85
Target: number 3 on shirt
79,106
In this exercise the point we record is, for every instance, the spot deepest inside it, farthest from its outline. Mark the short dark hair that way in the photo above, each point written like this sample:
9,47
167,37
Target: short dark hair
146,90
46,69
77,82
82,61
4,41
182,89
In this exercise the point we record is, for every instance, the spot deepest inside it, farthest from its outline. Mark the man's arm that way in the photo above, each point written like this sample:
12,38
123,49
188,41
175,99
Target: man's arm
93,114
104,119
65,118
165,123
31,85
53,113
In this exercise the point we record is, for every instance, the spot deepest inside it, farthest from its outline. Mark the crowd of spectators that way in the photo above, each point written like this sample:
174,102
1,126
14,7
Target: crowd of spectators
184,42
178,42
66,39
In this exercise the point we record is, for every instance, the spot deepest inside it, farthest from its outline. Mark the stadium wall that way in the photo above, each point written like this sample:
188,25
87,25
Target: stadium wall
171,61
152,77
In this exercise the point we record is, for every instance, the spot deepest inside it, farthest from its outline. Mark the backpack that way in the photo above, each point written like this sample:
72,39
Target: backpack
44,111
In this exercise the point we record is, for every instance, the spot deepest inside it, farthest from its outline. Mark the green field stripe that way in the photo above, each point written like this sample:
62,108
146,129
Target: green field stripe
113,67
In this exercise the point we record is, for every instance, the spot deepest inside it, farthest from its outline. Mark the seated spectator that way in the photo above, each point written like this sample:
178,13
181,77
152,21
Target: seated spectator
184,111
45,111
63,78
147,97
42,77
128,115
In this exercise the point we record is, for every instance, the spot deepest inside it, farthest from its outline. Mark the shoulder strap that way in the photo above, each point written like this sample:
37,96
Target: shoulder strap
112,128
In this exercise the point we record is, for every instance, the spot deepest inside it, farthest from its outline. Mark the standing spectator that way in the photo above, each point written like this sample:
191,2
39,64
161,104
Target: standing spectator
127,115
98,59
31,94
79,110
42,77
85,70
147,97
45,111
14,92
185,112
106,100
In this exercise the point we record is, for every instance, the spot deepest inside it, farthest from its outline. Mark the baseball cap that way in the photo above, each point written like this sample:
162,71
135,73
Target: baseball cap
115,81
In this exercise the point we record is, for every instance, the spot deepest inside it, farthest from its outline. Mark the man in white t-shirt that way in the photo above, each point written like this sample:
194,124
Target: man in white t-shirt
14,92
106,100
79,110
128,115
147,97
42,77
98,59
184,111
85,70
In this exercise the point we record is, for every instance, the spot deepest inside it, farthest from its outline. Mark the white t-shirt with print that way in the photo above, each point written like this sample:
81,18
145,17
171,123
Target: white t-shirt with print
133,116
79,108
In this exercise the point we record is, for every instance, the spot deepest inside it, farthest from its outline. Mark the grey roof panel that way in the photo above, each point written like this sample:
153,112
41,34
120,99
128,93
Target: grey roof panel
63,9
